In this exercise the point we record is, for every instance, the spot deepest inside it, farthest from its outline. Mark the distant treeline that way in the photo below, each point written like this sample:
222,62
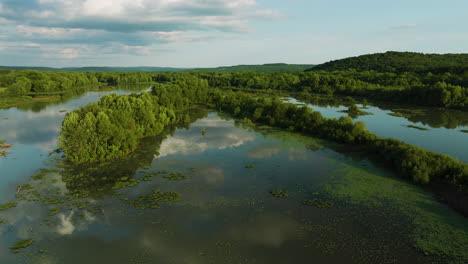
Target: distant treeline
271,67
413,78
110,128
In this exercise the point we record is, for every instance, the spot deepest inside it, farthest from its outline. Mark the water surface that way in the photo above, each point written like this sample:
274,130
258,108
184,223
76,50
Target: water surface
226,213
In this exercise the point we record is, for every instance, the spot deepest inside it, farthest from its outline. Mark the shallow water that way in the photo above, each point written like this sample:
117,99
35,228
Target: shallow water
444,127
226,213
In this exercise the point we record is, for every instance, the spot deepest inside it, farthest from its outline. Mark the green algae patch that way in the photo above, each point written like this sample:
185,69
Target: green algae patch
417,127
434,229
7,206
279,193
54,211
249,166
155,199
319,203
2,220
176,176
20,245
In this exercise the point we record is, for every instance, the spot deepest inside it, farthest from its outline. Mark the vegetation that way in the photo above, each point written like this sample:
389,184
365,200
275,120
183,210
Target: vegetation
176,176
432,80
353,111
279,193
400,62
417,127
155,199
249,166
7,206
318,203
111,127
20,245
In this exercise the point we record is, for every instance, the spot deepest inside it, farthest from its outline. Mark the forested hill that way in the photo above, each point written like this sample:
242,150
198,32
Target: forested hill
400,62
99,69
273,67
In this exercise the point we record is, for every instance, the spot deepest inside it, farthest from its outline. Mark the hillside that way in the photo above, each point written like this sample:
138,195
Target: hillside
399,62
273,67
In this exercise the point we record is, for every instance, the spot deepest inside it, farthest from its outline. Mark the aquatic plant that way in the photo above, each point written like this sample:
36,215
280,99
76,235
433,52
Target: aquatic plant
125,182
20,245
318,203
250,166
7,206
464,131
417,127
279,193
155,199
176,176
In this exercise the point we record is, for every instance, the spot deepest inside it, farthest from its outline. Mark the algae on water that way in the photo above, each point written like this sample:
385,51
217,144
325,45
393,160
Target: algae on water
20,245
155,199
279,193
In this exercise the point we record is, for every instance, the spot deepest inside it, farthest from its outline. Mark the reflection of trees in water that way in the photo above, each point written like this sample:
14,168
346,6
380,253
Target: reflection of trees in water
98,179
61,98
433,117
37,106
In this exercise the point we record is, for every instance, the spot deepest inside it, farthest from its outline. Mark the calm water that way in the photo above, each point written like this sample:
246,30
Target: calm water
226,213
443,134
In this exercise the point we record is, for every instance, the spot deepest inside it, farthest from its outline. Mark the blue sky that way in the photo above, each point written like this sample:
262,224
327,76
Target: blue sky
206,33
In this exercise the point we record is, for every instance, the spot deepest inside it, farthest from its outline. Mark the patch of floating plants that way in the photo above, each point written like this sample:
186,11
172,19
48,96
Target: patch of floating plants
279,193
176,176
250,166
20,245
155,199
464,131
7,206
416,127
125,182
319,203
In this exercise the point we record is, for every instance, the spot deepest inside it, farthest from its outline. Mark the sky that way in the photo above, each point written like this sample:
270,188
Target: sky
209,33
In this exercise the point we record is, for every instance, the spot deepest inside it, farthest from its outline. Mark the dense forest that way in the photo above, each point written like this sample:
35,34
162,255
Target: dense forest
111,128
445,87
400,62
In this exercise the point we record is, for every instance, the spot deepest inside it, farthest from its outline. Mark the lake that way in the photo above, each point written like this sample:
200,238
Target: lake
203,194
